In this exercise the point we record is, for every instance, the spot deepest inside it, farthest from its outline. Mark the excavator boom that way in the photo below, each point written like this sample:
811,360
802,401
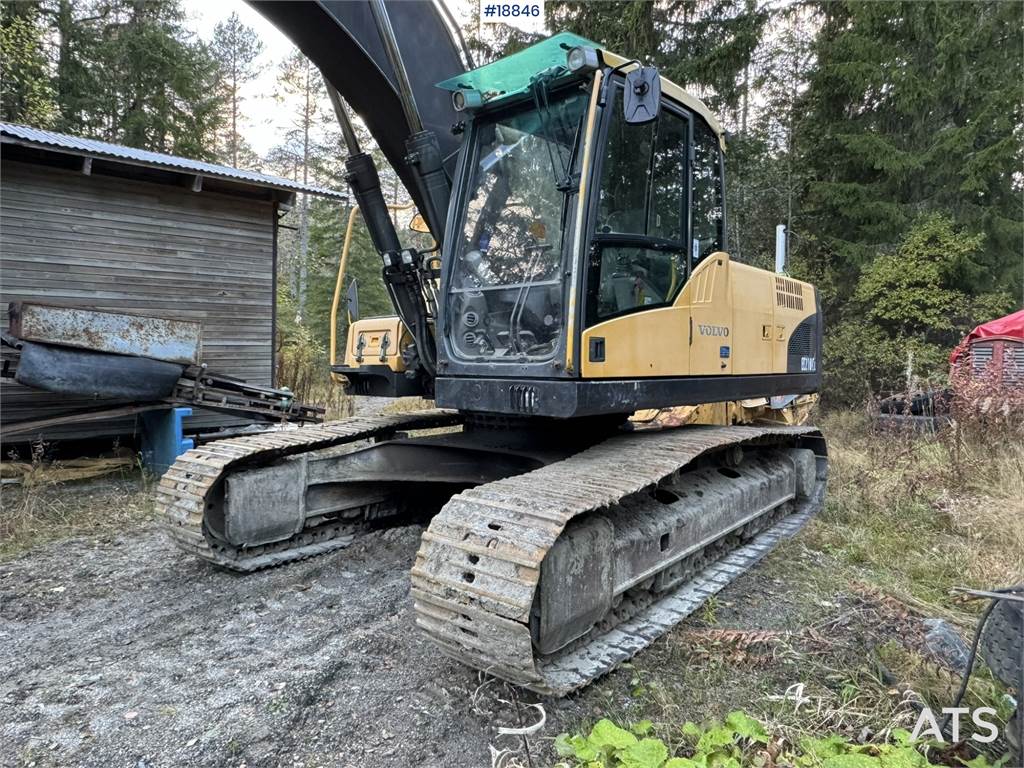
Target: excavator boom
343,39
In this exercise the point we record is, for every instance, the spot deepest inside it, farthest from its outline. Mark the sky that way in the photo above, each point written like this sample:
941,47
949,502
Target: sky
266,124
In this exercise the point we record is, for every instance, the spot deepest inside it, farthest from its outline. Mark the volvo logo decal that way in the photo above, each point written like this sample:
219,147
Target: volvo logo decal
713,330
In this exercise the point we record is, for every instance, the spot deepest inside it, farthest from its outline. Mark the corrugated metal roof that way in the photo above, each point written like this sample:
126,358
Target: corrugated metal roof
100,149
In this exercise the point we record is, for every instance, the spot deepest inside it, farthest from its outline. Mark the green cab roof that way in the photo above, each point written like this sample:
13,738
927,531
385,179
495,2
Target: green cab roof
511,75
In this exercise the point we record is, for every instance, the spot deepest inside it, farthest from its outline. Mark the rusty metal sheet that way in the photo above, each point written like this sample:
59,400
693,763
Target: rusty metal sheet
173,341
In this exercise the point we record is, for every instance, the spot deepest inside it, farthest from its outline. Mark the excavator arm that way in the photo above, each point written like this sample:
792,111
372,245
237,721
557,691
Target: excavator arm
383,59
346,40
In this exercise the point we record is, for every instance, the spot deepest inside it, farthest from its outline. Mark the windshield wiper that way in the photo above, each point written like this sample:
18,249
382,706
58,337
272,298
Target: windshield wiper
561,169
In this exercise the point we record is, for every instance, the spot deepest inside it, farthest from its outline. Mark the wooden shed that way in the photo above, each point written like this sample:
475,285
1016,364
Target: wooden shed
89,224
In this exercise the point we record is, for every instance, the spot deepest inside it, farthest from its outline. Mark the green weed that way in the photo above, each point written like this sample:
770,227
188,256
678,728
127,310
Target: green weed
739,742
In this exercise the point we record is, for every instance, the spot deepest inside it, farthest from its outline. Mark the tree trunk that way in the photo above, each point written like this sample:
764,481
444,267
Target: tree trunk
304,208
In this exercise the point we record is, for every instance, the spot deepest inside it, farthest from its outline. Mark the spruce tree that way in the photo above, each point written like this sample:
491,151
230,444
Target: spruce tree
162,95
128,71
704,46
26,94
914,107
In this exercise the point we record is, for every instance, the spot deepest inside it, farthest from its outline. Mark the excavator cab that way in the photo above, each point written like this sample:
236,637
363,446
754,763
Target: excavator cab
584,267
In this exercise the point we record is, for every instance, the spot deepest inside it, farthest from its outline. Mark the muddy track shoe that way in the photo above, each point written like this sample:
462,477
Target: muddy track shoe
551,578
193,498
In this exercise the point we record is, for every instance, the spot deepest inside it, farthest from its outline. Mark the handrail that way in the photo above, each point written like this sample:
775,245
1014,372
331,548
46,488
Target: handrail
338,378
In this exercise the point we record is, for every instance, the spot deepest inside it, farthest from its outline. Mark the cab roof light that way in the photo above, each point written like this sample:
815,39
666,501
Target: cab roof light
582,60
467,100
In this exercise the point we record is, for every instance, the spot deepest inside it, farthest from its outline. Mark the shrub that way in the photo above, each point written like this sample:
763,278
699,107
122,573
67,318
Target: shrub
910,307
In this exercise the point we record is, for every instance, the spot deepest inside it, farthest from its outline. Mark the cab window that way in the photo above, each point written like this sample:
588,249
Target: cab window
638,255
707,193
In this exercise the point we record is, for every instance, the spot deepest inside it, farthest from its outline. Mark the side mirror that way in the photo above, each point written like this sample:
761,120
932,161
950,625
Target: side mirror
642,96
352,299
419,224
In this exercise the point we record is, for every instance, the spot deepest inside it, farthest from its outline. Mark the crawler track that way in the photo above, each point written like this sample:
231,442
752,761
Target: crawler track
192,482
479,564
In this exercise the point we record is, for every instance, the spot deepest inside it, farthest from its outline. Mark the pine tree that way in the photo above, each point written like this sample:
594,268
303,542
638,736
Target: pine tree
301,86
766,173
237,49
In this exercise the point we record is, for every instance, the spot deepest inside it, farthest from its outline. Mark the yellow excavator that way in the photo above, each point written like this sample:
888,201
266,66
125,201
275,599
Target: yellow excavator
580,275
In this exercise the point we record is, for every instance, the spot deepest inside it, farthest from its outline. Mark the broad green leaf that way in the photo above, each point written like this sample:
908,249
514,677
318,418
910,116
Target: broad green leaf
580,748
852,761
684,762
563,745
716,736
981,761
823,748
902,757
646,753
901,736
607,734
747,727
692,730
642,728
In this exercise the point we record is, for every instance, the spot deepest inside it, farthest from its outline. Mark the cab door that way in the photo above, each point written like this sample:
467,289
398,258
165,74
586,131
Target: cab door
636,262
708,292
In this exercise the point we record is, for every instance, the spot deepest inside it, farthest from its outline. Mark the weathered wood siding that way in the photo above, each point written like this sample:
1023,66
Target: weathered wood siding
131,246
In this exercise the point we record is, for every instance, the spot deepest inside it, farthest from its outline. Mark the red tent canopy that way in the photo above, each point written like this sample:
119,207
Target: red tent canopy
1011,325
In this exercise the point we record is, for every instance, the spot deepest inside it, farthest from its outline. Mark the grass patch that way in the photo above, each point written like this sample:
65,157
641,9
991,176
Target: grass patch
43,510
922,514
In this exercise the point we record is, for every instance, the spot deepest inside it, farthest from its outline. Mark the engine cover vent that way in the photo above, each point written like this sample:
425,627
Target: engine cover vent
789,293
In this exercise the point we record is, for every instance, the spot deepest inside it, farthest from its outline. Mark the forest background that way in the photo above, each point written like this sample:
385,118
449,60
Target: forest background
887,136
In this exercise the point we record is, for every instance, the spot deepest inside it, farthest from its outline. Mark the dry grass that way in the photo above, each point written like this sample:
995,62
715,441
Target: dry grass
303,367
407,404
45,510
923,514
332,397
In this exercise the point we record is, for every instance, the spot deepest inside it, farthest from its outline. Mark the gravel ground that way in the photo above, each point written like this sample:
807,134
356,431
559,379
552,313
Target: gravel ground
119,650
124,652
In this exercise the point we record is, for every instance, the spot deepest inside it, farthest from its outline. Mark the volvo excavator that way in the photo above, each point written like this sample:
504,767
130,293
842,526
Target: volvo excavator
580,274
